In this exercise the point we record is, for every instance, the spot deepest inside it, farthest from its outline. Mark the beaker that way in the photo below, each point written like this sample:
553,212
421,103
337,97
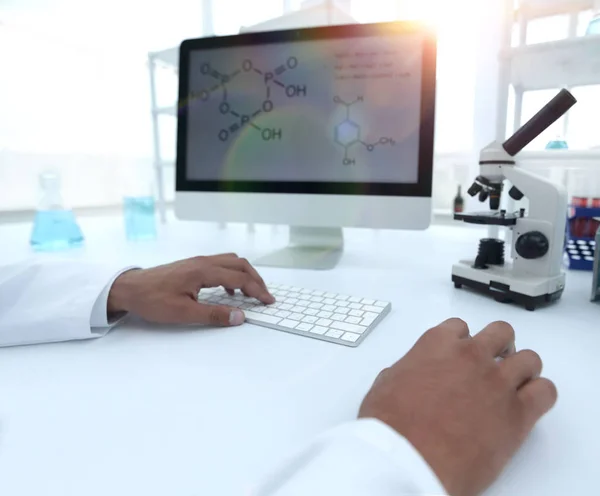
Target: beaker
54,227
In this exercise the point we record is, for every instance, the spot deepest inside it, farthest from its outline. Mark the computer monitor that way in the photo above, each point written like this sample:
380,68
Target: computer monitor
317,128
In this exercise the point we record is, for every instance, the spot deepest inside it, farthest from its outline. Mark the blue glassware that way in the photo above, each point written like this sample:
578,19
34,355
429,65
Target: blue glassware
55,228
140,217
557,144
594,26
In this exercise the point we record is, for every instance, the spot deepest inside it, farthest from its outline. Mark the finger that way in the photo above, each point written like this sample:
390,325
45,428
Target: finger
233,279
193,312
537,397
497,339
242,265
220,256
457,327
521,367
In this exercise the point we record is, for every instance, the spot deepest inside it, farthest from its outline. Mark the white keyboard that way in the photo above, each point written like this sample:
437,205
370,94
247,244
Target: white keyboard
332,317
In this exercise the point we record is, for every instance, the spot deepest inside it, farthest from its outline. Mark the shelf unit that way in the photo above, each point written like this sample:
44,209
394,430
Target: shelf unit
574,61
169,59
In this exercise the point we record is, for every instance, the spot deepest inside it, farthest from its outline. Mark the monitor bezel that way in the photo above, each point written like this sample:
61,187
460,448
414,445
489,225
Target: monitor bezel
423,186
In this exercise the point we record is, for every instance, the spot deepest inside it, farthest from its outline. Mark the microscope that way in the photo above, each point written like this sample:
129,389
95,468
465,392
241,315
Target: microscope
535,275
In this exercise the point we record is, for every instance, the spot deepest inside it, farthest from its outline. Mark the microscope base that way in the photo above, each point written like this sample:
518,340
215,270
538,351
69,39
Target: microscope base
505,287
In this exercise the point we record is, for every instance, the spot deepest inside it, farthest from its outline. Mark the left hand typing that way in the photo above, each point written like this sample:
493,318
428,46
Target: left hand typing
168,293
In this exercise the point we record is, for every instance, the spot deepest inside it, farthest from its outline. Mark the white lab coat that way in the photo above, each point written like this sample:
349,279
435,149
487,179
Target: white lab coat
44,302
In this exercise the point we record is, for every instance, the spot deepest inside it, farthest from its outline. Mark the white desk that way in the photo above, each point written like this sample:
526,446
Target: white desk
187,412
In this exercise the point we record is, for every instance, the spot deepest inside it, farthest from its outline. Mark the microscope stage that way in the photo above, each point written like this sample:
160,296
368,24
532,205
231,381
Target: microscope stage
505,286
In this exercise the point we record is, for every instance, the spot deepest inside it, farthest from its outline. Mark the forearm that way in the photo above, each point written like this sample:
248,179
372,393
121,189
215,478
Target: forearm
363,458
52,301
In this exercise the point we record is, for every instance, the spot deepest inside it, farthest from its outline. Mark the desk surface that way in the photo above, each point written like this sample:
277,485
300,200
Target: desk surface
154,411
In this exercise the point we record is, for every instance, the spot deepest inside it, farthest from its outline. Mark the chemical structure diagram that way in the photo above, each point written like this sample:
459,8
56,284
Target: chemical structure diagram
270,79
348,132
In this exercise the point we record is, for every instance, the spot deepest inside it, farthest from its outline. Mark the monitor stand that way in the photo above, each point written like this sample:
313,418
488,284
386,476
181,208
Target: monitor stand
314,248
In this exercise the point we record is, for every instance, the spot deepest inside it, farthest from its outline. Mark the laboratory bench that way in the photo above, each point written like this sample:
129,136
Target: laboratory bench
154,410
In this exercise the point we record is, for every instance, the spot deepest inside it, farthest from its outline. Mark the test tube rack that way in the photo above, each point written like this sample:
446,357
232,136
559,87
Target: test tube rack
596,281
581,246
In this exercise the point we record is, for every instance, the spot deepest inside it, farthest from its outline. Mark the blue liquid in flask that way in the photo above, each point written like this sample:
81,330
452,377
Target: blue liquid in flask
140,218
55,230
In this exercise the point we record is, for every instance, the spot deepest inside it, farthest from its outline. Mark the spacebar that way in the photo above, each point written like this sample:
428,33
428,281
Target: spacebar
261,317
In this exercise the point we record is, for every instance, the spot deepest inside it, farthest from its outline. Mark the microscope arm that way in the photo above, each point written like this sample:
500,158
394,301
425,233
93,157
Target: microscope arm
546,198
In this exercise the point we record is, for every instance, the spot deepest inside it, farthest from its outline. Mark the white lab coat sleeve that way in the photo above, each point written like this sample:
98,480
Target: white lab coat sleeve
362,458
49,301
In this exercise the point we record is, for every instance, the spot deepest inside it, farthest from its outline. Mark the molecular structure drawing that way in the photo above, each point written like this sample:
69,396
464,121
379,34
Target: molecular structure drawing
348,132
270,79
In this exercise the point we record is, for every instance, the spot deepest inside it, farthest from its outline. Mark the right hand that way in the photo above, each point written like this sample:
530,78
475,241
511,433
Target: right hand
463,409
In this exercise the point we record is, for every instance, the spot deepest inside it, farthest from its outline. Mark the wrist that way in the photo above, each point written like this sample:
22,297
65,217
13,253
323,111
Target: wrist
119,292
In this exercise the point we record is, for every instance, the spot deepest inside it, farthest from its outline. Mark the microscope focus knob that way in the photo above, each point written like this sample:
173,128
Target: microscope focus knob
532,245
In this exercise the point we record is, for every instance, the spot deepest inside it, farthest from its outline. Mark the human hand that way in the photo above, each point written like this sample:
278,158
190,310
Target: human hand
466,412
168,293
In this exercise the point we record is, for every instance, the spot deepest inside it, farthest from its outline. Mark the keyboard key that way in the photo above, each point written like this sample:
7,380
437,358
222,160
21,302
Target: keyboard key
329,301
234,303
345,326
334,334
341,297
370,308
309,319
352,320
310,311
356,313
283,314
350,336
290,324
324,315
328,308
303,302
319,330
298,309
291,301
355,306
306,291
324,322
330,295
354,299
344,311
366,301
304,327
381,304
370,315
342,304
339,317
259,308
261,317
287,306
247,306
304,297
316,299
316,306
296,316
271,311
367,321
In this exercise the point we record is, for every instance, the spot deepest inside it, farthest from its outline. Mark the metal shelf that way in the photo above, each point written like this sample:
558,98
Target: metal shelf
167,110
570,62
168,57
534,9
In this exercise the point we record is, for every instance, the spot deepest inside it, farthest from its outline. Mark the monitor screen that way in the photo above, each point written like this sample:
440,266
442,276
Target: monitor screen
342,109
